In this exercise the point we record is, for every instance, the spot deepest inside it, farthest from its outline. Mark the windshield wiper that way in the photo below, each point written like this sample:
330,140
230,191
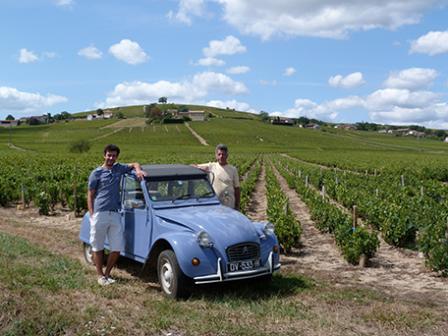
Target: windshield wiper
184,196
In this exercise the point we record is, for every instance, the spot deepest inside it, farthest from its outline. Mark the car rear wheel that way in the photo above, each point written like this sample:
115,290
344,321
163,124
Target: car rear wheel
88,254
172,280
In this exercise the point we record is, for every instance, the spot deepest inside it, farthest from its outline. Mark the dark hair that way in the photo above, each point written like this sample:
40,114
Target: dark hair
111,148
222,147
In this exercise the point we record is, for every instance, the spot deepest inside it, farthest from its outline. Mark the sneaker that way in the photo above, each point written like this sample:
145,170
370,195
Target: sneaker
103,281
110,280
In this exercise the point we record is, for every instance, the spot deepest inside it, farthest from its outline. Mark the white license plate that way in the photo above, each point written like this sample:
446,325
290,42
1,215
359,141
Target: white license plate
243,265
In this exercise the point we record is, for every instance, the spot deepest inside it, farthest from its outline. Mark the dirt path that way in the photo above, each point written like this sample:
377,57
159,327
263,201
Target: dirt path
196,135
393,270
258,201
12,146
108,134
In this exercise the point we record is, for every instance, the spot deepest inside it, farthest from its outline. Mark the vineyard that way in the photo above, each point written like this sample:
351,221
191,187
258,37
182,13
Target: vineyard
396,185
365,191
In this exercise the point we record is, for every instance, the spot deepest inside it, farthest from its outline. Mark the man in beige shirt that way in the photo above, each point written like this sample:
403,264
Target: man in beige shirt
226,182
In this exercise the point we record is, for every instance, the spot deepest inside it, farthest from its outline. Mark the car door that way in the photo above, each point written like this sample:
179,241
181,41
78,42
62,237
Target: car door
136,218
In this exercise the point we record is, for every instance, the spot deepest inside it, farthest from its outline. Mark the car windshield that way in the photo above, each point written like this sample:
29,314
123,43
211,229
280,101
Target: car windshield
179,189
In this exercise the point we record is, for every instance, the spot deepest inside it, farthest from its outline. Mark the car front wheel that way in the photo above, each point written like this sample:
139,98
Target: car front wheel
172,280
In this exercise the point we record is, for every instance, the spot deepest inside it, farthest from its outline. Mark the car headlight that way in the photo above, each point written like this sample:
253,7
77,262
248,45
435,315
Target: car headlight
204,239
268,229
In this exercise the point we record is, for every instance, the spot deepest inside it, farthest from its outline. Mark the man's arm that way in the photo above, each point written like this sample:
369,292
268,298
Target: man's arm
204,167
90,199
138,170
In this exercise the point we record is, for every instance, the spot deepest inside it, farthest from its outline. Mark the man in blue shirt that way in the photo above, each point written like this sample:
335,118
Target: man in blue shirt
103,202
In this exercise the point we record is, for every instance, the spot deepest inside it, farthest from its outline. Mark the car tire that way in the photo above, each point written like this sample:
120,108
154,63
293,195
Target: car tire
88,254
173,282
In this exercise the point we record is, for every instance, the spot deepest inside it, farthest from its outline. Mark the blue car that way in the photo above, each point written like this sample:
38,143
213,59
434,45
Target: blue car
175,224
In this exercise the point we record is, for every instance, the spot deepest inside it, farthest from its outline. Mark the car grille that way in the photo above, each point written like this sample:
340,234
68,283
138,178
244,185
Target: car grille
243,251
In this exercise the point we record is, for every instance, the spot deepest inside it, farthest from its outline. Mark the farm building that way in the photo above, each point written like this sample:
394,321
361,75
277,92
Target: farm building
282,121
193,115
9,123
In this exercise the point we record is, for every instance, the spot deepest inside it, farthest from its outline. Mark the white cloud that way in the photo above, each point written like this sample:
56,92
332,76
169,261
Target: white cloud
211,61
231,104
64,3
13,100
352,80
187,9
229,46
27,56
237,70
90,52
323,18
433,43
49,54
403,98
326,110
129,51
289,72
412,78
200,86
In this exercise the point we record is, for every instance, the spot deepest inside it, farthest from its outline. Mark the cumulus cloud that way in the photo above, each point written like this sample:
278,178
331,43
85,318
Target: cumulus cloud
412,78
289,72
433,43
187,9
229,46
129,51
350,81
403,100
13,100
328,110
322,18
26,56
237,70
211,61
200,86
90,52
231,104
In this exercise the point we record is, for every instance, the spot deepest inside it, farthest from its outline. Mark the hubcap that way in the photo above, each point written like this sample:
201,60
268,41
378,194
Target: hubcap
88,253
166,276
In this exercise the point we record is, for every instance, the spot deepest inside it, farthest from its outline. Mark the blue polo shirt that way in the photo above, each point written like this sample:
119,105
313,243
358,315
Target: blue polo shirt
106,183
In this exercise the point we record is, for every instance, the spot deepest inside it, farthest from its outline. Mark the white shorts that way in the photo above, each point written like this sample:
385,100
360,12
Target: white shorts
106,223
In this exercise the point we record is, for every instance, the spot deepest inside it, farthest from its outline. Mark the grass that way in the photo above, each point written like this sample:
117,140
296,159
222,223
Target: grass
58,296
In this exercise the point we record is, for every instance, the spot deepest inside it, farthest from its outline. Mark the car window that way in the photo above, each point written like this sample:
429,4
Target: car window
179,188
132,194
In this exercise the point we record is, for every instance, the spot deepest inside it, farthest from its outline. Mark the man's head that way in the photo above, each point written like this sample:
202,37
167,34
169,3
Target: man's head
221,154
111,153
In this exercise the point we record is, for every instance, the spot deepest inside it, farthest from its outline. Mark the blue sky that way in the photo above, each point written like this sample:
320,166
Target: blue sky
342,61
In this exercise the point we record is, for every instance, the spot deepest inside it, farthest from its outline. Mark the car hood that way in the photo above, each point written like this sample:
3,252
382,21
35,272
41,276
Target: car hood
226,226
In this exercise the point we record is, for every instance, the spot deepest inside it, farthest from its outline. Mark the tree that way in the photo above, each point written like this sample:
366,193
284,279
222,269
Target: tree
119,115
264,116
99,112
10,117
163,100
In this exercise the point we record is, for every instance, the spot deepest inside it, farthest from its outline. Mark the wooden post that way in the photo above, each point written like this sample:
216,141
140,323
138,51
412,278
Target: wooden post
22,195
75,205
306,181
336,180
323,192
300,173
402,180
422,191
355,217
377,192
374,172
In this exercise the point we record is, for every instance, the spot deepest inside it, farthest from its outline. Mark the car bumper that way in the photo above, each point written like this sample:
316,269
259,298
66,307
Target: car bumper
220,276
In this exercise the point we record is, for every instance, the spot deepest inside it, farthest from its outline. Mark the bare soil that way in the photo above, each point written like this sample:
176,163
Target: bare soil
393,270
